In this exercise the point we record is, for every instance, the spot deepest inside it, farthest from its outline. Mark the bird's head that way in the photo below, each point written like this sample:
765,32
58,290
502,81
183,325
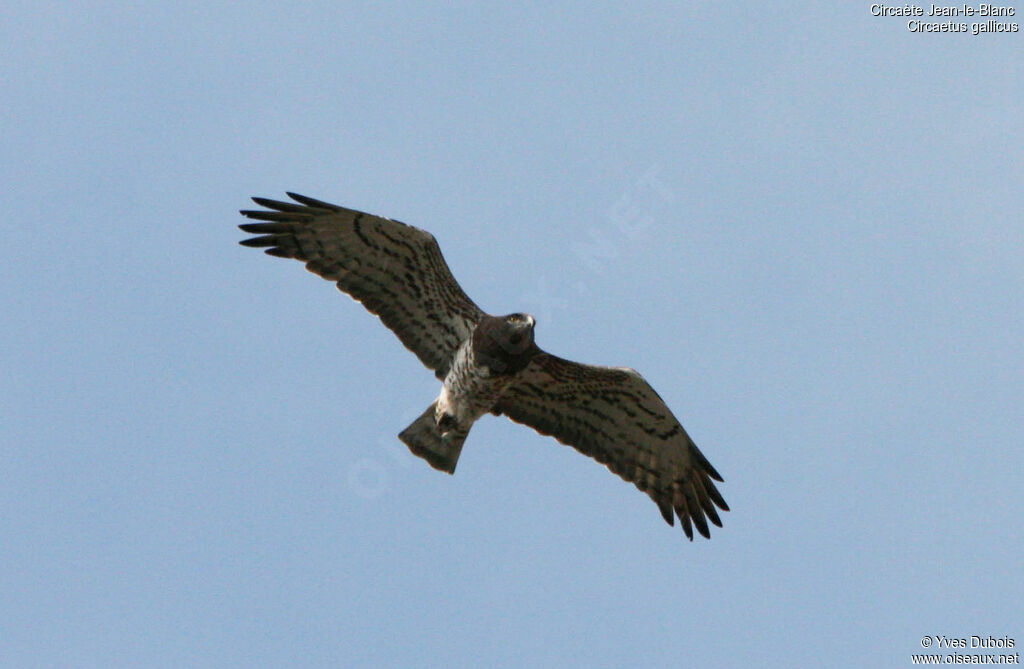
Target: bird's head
505,343
516,333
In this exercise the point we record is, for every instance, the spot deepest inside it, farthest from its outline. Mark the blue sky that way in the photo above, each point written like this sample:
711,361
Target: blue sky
802,223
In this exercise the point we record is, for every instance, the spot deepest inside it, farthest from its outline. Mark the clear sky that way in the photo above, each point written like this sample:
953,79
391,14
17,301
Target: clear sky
801,222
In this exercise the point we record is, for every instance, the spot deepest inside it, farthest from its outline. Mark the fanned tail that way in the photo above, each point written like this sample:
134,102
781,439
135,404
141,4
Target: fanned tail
424,438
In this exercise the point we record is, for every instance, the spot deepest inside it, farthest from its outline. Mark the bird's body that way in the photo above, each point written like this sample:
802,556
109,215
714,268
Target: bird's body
471,388
483,367
491,364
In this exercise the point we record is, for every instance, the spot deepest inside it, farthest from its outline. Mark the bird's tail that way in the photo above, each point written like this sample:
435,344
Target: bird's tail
424,438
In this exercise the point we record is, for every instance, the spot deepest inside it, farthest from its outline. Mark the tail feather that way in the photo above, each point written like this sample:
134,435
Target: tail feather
424,439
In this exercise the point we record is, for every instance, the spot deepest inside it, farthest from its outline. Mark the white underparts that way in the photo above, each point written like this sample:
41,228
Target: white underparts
468,391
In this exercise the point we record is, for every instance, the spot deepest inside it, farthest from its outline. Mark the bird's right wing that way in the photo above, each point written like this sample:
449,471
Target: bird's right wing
396,271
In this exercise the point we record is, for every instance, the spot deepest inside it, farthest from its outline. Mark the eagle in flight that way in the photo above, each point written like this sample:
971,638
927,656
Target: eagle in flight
491,363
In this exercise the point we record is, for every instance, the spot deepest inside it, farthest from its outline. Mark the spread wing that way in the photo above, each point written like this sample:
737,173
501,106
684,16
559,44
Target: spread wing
613,415
396,271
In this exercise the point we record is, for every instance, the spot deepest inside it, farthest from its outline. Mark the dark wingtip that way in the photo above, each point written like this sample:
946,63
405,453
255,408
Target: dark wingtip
258,242
703,463
697,516
715,496
709,511
687,527
667,513
312,202
263,228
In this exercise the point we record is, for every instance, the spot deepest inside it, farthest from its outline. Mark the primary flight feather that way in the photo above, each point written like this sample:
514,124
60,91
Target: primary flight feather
490,364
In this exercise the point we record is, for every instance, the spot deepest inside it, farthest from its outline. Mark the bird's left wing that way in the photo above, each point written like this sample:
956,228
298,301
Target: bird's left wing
613,415
396,271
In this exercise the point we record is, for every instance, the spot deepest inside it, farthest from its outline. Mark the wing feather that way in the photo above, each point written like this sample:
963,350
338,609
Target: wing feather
614,416
395,270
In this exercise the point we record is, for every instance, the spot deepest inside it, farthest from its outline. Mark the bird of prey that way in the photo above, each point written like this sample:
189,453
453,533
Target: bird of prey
491,363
